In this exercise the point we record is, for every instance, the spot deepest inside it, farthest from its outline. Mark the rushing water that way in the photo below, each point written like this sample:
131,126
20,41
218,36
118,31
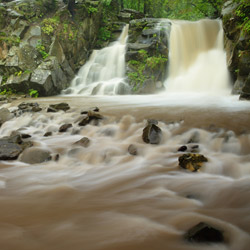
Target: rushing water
104,73
197,58
102,198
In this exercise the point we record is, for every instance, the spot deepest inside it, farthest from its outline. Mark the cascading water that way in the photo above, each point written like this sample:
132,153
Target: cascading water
104,72
197,59
100,196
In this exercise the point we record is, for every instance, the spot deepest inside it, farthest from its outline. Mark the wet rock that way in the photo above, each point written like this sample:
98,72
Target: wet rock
5,115
151,133
29,107
204,233
192,162
65,127
84,142
51,110
11,147
132,149
35,155
47,134
60,106
182,148
95,109
91,116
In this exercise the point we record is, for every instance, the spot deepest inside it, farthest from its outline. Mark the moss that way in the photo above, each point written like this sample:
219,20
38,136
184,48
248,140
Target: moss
9,40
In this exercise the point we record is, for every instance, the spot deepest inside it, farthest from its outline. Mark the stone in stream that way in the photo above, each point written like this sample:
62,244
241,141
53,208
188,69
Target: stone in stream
152,133
204,233
95,109
65,127
35,155
192,162
132,149
11,147
49,133
84,142
182,148
60,106
29,107
91,116
5,115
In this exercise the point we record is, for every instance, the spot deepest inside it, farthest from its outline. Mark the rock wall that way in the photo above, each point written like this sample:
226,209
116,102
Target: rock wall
42,46
147,54
237,44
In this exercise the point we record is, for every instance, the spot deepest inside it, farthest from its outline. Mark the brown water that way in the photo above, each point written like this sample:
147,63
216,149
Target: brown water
103,198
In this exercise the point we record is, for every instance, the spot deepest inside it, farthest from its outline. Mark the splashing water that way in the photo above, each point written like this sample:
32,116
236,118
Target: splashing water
104,73
197,59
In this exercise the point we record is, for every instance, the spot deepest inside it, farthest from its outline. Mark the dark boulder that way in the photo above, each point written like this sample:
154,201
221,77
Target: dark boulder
192,162
60,106
91,116
204,233
11,147
152,133
84,142
65,127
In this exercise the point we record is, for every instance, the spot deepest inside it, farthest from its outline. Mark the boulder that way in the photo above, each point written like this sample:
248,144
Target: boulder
204,233
35,155
65,127
59,106
5,115
91,116
192,162
84,142
132,149
11,147
152,133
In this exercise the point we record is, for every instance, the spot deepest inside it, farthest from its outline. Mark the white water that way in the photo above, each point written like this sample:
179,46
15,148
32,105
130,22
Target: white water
103,198
104,72
197,60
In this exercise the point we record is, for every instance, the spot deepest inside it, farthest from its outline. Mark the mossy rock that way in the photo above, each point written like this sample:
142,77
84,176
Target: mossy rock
192,162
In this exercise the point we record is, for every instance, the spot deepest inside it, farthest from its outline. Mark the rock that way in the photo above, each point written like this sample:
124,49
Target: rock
91,116
35,155
29,107
192,162
65,127
95,109
5,115
11,147
204,233
132,149
182,148
152,134
60,106
84,142
47,134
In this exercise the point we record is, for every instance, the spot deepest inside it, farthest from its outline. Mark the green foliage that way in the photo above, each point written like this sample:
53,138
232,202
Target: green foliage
6,91
9,40
33,93
41,49
104,34
242,12
92,10
154,62
49,25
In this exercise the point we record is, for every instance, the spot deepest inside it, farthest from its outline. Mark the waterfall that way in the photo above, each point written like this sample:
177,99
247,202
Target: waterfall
197,61
104,73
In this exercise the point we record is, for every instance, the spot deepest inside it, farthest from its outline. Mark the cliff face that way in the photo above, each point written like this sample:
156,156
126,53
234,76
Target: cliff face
42,45
237,44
